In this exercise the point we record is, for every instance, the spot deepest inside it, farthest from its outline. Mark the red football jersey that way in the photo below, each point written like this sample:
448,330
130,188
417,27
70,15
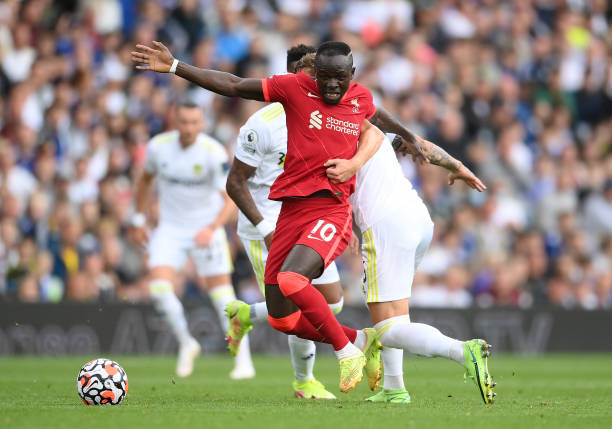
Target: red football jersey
316,132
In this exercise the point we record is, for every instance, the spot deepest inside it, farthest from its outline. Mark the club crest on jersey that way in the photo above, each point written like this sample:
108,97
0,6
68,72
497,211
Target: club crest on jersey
316,120
197,169
355,103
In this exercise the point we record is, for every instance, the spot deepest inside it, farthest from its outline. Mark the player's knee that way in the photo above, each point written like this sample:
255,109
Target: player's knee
336,307
290,282
285,324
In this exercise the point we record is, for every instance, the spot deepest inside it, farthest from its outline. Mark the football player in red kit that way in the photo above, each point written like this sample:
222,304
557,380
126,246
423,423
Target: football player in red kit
326,117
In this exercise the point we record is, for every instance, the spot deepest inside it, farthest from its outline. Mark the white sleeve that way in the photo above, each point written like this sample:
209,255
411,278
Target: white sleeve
150,165
251,143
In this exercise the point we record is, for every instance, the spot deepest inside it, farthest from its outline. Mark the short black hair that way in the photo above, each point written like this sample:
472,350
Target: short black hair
189,104
334,48
295,53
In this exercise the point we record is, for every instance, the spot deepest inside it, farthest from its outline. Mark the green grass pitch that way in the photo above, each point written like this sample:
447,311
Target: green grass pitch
549,391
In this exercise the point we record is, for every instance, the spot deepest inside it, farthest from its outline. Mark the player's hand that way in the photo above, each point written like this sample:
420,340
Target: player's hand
140,235
354,244
468,177
340,170
268,240
204,237
158,58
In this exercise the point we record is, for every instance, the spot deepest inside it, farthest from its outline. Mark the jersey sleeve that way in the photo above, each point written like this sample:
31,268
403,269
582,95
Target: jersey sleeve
150,164
250,146
279,87
370,106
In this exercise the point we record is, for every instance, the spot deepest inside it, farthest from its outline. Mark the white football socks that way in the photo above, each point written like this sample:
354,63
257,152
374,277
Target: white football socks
259,312
303,354
393,360
418,338
166,302
220,297
347,351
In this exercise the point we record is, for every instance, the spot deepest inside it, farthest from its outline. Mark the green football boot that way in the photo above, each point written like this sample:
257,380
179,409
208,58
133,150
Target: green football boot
391,396
312,389
351,371
475,357
373,366
238,313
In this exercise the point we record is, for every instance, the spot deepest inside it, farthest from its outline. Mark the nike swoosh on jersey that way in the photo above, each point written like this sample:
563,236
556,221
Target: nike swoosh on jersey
310,94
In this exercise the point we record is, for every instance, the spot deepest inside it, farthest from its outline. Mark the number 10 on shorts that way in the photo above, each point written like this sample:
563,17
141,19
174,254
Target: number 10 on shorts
323,231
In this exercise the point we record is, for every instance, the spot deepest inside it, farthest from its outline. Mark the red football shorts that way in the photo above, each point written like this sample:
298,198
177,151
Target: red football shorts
323,224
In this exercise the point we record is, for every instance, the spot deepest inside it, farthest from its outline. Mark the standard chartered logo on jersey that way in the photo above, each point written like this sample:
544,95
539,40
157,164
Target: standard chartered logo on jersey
331,123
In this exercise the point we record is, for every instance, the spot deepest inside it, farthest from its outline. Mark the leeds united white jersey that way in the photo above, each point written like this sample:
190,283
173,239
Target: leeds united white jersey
380,186
190,180
262,143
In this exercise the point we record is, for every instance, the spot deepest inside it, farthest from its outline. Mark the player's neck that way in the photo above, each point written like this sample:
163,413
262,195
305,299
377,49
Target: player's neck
185,145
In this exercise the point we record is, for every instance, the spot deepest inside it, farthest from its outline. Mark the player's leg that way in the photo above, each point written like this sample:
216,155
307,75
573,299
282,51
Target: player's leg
388,300
213,264
242,316
165,258
303,352
304,243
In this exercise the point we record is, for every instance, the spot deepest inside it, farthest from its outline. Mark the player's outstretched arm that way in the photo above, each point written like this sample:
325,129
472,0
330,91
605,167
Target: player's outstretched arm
159,59
370,139
238,191
438,156
388,124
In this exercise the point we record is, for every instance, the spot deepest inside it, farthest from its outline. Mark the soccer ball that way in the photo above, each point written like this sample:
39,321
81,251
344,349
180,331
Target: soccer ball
102,382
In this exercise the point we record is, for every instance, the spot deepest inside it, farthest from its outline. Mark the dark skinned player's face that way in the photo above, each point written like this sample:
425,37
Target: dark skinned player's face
334,74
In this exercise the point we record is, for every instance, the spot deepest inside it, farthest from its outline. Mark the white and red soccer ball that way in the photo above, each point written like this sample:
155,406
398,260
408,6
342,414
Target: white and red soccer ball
102,382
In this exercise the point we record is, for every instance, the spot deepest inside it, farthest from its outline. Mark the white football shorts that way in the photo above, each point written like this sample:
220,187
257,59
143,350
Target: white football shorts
170,246
392,249
257,252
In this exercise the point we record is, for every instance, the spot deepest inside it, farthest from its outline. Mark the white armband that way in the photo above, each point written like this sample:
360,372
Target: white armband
265,227
139,220
173,66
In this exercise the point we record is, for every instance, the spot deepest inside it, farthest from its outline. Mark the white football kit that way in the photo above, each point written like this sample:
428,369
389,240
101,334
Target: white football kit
262,143
190,181
395,224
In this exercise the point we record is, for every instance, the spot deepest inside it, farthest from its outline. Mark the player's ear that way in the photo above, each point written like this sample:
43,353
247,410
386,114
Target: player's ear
352,72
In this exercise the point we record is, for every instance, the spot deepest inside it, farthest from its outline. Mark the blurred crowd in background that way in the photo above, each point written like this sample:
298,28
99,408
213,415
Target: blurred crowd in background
520,91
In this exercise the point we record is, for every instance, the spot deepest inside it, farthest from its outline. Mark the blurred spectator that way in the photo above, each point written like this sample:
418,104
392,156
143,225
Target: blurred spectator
521,92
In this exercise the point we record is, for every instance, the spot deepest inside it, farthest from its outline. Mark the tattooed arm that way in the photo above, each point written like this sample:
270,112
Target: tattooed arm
419,148
422,150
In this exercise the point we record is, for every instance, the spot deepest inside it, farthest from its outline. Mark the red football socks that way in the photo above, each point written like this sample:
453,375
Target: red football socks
315,311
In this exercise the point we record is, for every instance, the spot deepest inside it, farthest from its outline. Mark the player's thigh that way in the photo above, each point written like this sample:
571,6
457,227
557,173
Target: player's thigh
258,254
214,259
166,252
329,284
278,304
303,260
380,311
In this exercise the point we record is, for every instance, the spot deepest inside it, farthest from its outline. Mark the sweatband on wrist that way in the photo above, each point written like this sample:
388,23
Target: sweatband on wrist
265,227
173,66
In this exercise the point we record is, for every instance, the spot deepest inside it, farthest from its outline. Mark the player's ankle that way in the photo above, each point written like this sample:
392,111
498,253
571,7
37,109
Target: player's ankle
349,350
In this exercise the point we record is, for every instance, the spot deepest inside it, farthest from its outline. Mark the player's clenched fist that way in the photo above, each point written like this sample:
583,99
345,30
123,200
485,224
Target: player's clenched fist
158,58
340,170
